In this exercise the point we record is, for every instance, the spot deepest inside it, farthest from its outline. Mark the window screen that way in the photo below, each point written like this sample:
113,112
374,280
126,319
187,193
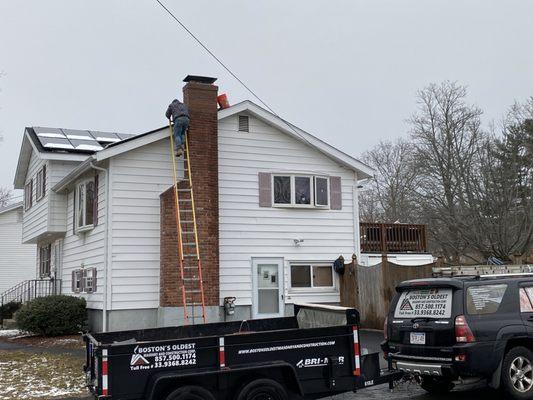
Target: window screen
302,189
484,299
322,276
282,189
301,276
321,191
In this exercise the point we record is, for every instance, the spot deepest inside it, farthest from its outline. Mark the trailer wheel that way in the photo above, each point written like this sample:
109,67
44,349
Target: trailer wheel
263,389
191,393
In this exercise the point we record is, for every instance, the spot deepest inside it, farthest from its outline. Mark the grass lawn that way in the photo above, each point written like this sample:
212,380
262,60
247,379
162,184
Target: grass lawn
40,376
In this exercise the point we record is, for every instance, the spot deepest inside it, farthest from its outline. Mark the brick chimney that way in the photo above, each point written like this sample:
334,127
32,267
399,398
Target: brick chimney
200,96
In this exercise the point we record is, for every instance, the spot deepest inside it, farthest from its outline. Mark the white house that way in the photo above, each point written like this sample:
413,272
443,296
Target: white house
276,204
17,263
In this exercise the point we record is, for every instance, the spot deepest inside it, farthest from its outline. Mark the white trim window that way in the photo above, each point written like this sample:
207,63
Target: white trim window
45,254
300,190
84,206
40,184
28,195
84,280
305,276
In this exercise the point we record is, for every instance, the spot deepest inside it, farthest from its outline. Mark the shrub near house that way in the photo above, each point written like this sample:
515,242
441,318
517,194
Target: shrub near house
53,315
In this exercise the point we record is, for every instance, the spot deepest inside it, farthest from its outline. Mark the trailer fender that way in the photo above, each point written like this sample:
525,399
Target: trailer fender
160,383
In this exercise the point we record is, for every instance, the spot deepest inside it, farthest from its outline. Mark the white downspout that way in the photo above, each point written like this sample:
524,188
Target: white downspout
106,244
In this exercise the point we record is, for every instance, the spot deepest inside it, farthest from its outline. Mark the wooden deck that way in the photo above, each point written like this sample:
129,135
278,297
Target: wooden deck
392,238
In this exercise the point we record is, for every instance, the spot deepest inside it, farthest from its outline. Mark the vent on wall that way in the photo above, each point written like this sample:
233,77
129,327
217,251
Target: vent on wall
244,123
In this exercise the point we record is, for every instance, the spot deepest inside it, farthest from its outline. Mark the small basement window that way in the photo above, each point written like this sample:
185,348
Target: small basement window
312,276
244,123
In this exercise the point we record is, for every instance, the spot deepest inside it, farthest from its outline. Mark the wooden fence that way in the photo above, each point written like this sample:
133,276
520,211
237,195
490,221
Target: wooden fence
370,289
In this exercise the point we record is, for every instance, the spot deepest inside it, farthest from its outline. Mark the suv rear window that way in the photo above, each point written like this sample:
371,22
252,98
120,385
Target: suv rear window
425,303
484,299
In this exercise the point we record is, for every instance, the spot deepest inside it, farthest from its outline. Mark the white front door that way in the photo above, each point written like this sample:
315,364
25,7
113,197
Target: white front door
267,279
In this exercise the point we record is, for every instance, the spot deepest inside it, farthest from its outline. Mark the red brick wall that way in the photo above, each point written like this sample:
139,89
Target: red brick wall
201,99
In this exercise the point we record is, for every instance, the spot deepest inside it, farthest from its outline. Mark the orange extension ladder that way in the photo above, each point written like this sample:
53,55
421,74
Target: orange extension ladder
190,264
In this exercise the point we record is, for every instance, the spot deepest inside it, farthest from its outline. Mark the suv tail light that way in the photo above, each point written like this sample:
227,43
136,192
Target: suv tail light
463,333
385,328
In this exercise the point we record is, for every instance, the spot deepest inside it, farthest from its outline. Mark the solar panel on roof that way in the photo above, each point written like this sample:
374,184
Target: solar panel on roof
77,134
106,137
56,143
49,132
86,144
76,140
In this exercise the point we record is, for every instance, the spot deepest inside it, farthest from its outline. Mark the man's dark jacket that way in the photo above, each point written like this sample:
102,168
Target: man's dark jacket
177,109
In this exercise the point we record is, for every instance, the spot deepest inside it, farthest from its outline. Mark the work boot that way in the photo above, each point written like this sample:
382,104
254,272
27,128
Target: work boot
179,152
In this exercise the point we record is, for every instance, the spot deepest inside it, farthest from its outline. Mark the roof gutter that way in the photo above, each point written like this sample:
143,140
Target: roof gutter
74,174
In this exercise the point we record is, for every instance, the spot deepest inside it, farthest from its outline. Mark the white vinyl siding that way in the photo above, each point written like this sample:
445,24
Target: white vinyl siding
247,230
18,260
57,217
87,248
138,177
36,218
46,215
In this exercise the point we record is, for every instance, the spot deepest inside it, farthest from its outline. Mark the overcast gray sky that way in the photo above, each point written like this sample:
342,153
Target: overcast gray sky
346,71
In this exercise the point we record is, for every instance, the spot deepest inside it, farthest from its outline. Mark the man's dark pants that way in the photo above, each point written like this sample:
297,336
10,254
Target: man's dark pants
181,125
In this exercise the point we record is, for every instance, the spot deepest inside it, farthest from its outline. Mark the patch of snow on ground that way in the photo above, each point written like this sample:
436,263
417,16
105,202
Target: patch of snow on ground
63,341
10,332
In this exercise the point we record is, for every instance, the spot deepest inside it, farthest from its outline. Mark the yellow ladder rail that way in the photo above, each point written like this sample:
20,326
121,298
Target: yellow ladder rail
180,232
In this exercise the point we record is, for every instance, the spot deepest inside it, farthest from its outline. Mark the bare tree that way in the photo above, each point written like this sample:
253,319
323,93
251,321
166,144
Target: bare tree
5,196
389,197
446,136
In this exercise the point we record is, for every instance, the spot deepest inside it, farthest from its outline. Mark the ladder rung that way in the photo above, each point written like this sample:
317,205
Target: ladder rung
194,304
184,190
189,255
187,232
185,200
190,244
190,267
193,291
186,222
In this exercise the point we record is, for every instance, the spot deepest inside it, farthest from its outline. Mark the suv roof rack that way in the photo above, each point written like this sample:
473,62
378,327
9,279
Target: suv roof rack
483,271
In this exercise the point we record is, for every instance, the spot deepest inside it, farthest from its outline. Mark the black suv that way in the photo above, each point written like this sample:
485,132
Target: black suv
464,329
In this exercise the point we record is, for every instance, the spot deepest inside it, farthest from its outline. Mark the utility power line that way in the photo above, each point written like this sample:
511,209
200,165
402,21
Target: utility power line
219,61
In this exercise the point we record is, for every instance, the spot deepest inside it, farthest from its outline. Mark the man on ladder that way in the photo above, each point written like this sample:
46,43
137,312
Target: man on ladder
180,116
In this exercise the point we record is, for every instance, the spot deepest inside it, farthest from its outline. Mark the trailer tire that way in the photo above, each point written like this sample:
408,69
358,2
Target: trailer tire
263,389
191,392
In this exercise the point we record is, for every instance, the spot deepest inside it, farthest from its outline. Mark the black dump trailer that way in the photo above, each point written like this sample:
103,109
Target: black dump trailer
315,353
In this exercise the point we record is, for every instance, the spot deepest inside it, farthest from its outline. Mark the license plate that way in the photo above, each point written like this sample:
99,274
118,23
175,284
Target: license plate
418,338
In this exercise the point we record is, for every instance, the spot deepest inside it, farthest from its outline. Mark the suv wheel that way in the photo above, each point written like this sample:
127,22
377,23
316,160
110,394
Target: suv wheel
434,385
517,373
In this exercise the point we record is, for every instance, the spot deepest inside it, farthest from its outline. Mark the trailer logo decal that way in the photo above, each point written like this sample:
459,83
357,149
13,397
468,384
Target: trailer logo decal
138,359
317,362
163,356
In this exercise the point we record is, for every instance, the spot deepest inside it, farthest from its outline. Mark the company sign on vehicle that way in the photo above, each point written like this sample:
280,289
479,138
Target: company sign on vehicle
425,303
